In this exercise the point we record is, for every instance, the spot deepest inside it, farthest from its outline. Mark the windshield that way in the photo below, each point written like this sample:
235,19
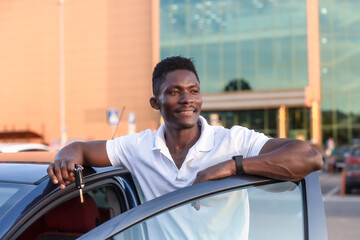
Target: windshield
10,194
272,211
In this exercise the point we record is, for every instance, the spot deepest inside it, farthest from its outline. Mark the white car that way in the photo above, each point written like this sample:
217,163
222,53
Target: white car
22,147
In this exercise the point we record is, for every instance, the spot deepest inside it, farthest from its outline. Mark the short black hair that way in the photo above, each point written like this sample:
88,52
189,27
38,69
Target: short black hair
167,65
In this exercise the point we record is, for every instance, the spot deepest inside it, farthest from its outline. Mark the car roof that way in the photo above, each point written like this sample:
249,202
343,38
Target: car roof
20,147
24,167
30,167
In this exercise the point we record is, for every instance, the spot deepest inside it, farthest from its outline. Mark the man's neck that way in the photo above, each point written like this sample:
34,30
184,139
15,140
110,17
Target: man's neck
180,141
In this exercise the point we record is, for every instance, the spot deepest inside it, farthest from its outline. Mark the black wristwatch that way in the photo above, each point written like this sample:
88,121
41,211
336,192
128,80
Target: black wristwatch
239,164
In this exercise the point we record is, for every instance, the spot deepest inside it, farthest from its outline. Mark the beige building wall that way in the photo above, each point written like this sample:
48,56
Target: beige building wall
314,68
109,53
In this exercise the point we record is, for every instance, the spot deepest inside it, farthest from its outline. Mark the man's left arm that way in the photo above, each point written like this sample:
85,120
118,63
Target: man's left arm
279,158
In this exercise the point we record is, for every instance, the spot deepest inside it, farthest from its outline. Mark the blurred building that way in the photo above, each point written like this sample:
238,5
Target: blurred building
65,63
287,68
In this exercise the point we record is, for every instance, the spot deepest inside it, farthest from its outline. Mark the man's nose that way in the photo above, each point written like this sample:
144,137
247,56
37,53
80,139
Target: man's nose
186,97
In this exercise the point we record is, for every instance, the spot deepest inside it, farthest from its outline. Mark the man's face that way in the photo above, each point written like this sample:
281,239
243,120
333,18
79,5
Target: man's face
179,99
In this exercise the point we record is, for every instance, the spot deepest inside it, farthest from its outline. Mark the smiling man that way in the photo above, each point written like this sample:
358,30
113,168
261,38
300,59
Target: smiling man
186,149
179,102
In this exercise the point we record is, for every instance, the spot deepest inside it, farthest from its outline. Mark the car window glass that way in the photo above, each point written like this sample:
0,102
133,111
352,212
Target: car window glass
276,212
139,191
6,193
107,201
72,218
10,194
273,211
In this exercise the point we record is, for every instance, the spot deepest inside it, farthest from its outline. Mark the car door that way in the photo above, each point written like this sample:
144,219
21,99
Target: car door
246,207
54,213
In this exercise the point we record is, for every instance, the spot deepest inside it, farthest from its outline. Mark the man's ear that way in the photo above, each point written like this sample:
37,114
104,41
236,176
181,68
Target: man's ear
154,103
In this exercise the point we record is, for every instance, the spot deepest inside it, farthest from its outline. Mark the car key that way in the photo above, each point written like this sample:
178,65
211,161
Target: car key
79,180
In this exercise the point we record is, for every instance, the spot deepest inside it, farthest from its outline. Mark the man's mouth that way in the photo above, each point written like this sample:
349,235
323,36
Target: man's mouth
186,112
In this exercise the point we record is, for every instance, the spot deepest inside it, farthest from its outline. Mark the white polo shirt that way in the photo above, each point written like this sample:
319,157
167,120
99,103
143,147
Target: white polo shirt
148,159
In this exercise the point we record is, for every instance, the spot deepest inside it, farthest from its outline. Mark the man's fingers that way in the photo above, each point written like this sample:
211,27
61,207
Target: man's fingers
58,174
50,171
220,170
71,170
61,172
64,170
201,176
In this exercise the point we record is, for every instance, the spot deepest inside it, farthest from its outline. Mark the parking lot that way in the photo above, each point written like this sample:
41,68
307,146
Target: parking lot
342,212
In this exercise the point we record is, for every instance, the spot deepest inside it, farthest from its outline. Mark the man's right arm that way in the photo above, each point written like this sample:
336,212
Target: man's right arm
61,171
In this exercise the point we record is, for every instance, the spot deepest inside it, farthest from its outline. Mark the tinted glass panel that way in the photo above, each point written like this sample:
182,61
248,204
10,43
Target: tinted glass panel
264,120
339,38
72,218
10,194
273,211
235,36
6,193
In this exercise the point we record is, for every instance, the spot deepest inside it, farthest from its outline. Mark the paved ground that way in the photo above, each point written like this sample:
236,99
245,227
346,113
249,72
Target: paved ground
342,213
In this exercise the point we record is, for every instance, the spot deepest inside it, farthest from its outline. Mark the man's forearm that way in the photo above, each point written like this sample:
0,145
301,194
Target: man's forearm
282,159
72,151
292,160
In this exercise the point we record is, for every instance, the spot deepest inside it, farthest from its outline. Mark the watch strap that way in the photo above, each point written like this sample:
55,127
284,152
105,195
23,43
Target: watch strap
239,164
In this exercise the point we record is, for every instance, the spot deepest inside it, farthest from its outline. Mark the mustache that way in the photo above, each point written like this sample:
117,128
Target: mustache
189,108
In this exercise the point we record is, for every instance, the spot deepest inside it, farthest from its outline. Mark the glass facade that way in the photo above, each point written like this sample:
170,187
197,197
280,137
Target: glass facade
262,45
240,45
299,123
263,120
340,56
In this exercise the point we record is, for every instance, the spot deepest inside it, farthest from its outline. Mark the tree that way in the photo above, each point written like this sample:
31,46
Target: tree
237,85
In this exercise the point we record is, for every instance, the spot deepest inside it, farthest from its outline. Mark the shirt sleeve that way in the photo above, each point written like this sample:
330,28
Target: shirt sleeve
124,151
120,150
111,152
248,141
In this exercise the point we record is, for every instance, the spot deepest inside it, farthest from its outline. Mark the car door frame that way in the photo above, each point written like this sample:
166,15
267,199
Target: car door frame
314,215
47,196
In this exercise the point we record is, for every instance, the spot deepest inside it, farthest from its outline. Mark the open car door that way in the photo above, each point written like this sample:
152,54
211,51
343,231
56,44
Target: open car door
246,207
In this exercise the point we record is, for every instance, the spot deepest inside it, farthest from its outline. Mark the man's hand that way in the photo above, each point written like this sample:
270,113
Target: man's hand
221,170
61,171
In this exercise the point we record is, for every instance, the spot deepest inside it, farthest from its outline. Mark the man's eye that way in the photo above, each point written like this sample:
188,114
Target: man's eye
195,91
173,92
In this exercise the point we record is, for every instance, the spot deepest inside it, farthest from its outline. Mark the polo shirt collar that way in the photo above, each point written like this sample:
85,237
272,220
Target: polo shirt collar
159,142
205,143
